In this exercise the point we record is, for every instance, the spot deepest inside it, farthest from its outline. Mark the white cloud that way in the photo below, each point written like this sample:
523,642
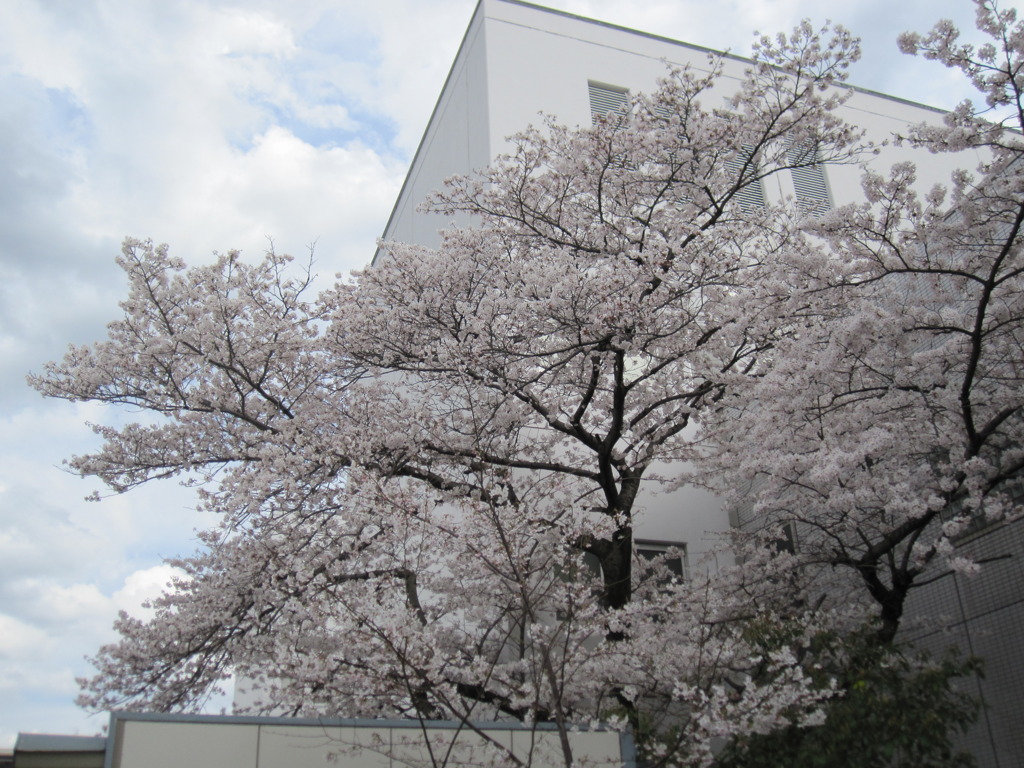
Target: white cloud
63,609
239,31
296,193
20,640
41,651
142,586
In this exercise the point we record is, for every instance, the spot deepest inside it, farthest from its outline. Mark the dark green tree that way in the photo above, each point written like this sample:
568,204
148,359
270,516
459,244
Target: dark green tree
896,708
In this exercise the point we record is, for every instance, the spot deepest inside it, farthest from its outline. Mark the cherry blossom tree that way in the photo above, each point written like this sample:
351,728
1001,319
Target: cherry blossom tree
891,424
428,475
413,469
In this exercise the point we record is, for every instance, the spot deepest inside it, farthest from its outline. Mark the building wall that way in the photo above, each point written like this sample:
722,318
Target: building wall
456,140
983,616
203,741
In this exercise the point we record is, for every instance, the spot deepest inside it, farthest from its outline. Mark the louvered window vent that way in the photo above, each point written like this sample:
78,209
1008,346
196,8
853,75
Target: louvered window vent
607,100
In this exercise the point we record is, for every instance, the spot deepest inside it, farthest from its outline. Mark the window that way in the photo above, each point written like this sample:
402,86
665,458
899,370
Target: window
648,550
607,100
674,554
808,178
786,540
752,195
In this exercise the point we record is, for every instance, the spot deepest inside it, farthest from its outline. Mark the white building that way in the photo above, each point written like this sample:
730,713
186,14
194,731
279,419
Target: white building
519,60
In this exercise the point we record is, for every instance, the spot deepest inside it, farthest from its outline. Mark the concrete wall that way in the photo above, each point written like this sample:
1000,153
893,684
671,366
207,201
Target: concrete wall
168,741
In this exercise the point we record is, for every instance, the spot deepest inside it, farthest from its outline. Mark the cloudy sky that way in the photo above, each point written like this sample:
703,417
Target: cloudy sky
214,125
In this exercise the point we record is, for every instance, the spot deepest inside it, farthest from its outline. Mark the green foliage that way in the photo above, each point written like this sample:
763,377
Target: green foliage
896,709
